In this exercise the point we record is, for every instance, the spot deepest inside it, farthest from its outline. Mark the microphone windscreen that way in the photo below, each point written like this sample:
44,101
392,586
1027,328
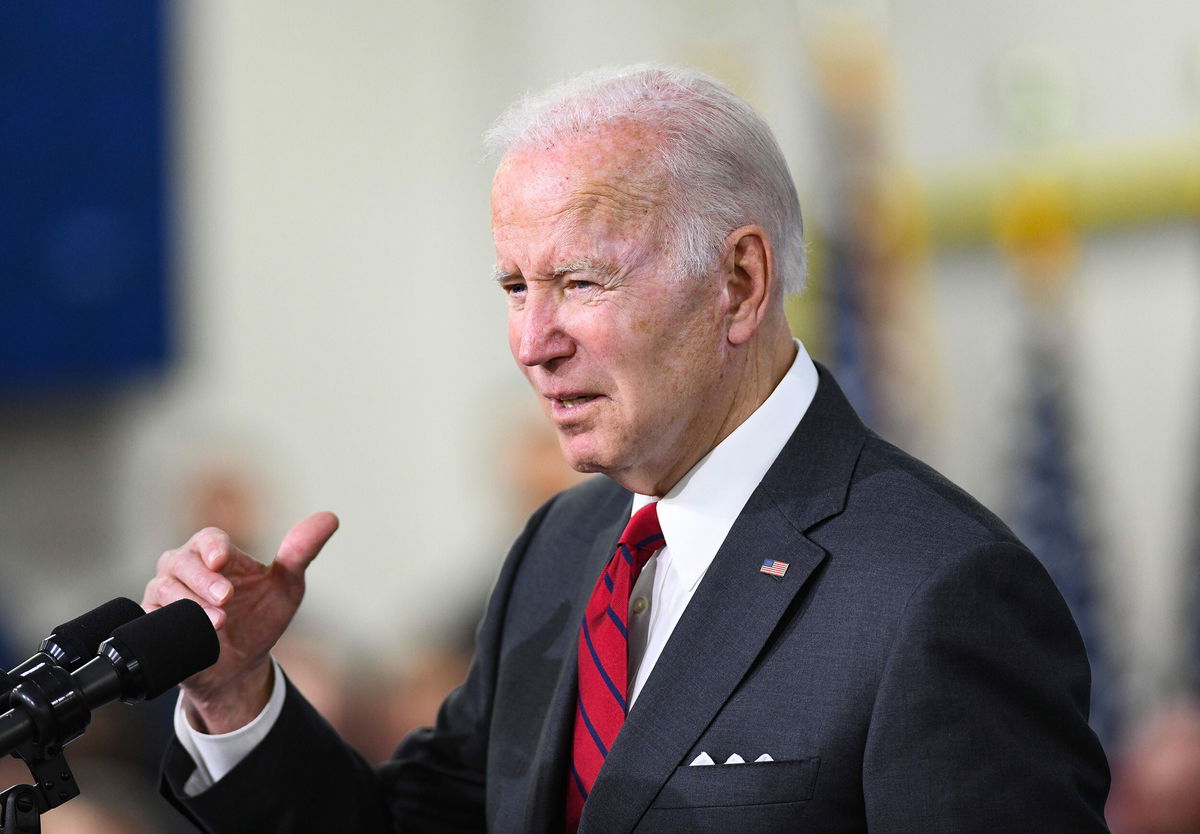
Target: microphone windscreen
75,641
170,644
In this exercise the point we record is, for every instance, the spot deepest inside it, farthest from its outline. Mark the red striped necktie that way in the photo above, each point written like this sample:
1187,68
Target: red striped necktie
604,657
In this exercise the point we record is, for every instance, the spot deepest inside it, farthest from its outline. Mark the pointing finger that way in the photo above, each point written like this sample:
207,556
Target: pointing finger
304,541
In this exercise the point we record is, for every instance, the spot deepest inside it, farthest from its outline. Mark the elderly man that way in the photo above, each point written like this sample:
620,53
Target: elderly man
800,629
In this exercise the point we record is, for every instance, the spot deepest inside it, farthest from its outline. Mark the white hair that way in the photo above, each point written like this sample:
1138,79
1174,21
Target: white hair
723,166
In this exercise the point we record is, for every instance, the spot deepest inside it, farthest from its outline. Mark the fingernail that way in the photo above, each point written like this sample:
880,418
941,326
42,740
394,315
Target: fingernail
219,590
212,616
212,556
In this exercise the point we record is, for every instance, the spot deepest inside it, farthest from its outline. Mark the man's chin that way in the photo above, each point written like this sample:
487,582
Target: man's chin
582,459
595,465
595,452
587,466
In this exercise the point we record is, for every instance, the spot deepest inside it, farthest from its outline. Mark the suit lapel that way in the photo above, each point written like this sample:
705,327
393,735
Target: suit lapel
545,809
731,617
733,613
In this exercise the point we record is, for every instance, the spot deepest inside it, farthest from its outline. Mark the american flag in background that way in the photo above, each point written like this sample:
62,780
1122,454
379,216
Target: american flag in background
1192,567
1050,517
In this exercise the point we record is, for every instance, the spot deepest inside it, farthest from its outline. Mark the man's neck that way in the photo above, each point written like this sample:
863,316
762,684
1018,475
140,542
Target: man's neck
758,374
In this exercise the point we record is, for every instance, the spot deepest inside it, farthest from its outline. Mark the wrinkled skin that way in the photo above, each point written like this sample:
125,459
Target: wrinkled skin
641,370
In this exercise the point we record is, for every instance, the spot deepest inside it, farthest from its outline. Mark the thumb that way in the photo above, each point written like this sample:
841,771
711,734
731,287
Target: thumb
304,541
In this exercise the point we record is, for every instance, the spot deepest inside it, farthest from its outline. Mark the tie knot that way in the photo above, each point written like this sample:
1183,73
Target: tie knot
643,532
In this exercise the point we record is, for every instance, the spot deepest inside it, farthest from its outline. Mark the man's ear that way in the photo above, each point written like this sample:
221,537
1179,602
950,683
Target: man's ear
749,272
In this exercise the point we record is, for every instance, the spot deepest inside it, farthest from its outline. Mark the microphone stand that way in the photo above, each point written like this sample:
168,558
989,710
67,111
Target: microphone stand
21,806
59,717
51,707
24,804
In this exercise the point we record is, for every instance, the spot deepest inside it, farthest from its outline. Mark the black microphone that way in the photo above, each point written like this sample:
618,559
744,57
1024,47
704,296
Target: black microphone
144,658
74,642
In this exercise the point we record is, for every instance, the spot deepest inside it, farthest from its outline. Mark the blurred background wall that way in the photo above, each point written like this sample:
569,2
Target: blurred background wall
1011,168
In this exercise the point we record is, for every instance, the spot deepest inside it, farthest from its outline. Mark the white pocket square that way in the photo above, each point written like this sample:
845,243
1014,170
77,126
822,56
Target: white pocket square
734,758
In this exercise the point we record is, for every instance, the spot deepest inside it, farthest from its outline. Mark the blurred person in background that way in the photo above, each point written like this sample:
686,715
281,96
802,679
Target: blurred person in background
8,657
801,628
117,760
530,465
397,695
223,486
83,816
1156,778
114,800
320,668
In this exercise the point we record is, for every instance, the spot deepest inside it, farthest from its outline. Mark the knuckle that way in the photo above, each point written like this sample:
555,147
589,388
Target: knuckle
214,534
209,542
156,590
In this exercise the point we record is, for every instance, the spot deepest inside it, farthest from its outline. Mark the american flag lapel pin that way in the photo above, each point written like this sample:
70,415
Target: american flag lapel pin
773,567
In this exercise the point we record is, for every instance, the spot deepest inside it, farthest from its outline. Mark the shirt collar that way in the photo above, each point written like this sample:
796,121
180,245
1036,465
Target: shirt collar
699,510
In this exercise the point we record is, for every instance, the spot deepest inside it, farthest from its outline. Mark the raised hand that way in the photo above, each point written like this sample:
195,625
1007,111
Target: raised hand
249,603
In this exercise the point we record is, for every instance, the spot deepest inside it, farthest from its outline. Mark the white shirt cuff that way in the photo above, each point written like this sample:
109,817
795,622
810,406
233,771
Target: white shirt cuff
216,755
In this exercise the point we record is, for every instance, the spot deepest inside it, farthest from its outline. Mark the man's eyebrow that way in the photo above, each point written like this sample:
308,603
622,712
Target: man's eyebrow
585,265
503,276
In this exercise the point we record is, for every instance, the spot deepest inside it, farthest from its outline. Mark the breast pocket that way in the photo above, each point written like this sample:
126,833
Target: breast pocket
758,783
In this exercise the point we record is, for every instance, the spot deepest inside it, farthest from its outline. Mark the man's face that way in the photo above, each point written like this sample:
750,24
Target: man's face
627,358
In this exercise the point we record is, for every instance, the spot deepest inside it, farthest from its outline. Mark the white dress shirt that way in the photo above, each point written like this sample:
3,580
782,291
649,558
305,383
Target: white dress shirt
699,510
695,516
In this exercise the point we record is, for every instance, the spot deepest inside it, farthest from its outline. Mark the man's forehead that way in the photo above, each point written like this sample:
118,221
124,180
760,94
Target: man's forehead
615,203
593,199
584,218
596,147
614,169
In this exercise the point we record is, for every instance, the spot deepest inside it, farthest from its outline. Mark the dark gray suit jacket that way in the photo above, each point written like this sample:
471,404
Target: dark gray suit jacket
915,670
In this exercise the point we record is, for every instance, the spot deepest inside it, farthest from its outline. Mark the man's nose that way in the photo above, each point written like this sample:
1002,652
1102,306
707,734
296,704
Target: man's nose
542,337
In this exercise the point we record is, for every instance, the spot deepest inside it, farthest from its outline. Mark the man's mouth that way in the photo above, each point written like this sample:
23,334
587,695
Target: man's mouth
568,401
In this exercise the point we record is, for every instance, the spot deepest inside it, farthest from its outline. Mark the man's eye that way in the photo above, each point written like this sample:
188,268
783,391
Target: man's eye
579,284
514,289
